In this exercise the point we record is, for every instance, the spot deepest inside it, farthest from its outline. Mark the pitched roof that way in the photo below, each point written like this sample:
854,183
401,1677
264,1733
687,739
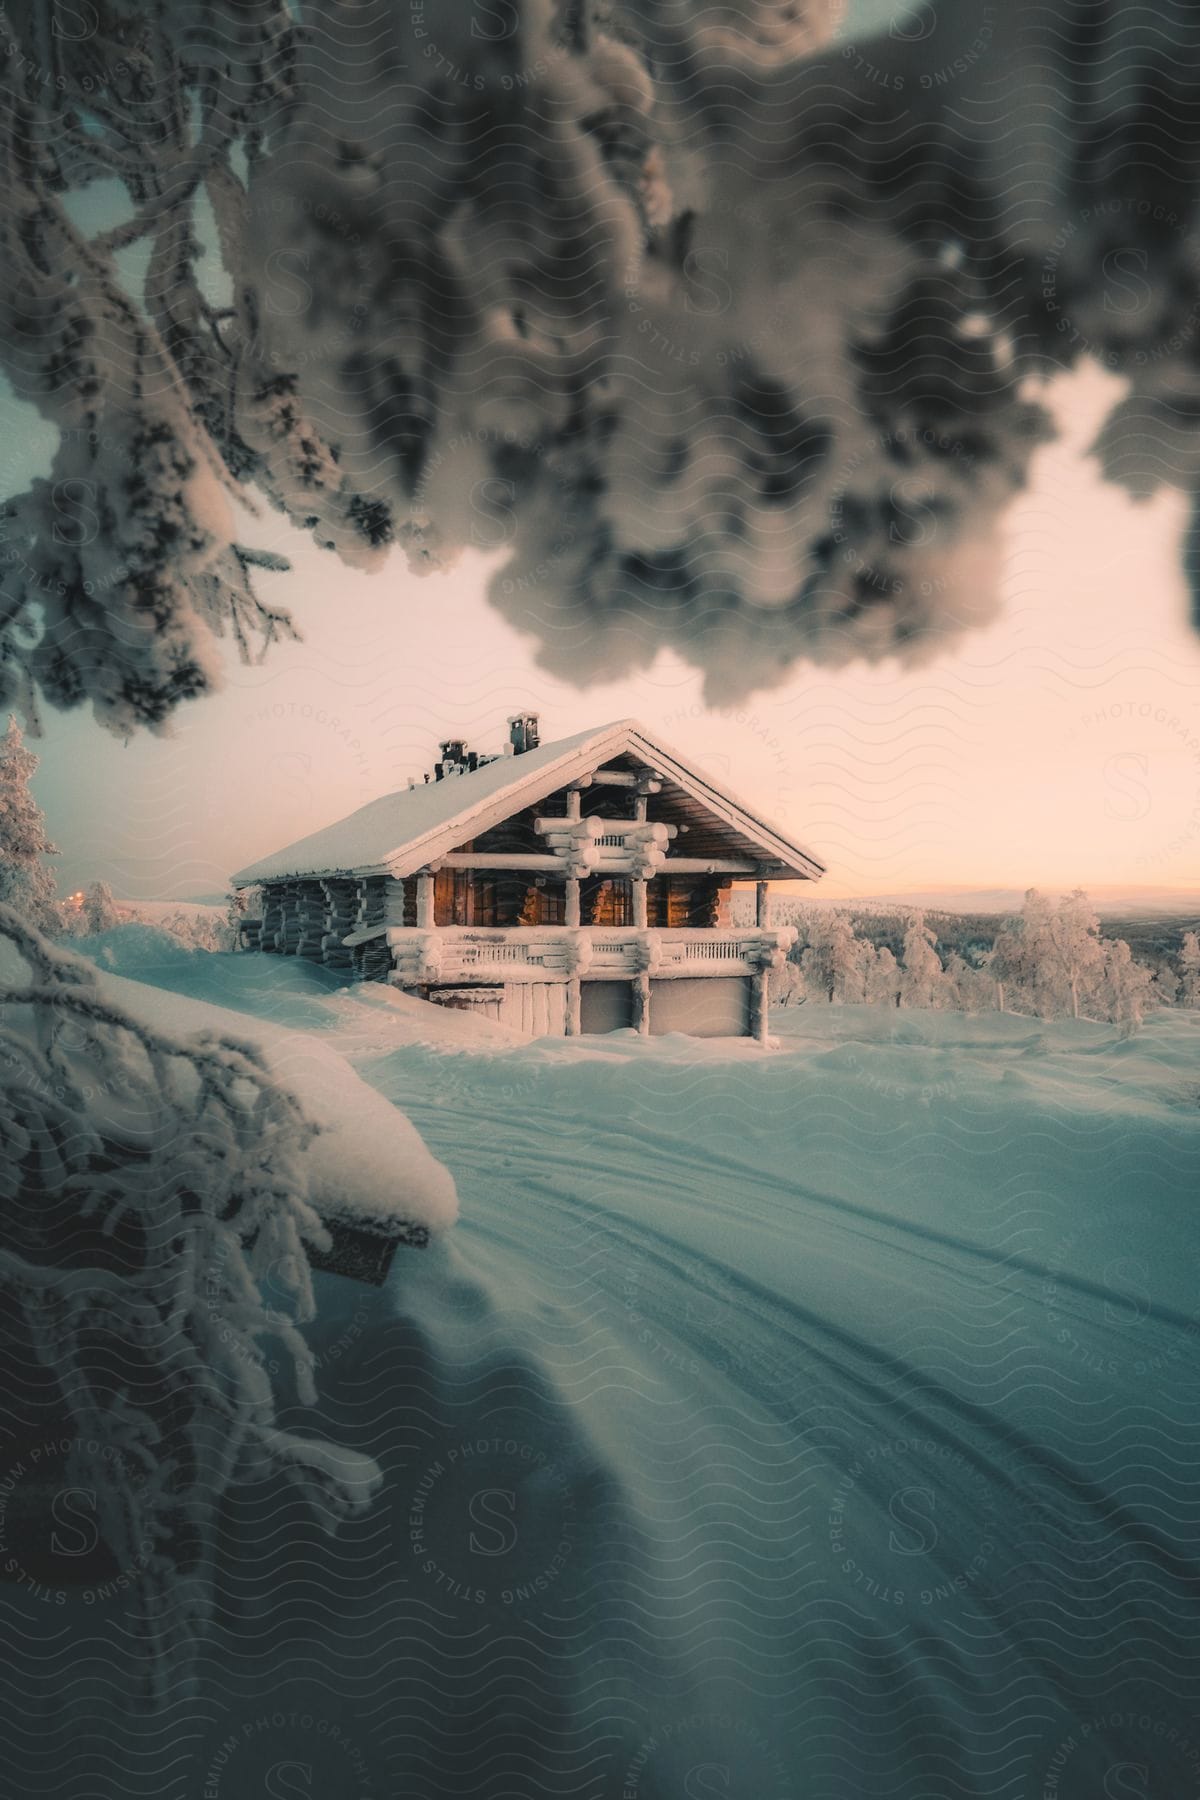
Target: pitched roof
404,831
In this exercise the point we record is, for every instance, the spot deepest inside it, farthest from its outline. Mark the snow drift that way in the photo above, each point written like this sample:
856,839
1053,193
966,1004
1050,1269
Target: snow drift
366,1161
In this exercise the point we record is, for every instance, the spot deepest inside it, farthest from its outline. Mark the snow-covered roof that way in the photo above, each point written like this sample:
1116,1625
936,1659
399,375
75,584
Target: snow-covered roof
405,831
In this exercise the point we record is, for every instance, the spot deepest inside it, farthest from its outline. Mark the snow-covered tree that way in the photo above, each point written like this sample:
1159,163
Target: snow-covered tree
883,978
99,911
1189,970
834,961
1125,989
310,293
1024,960
1052,961
922,978
26,884
787,984
968,988
190,1163
1073,956
1165,986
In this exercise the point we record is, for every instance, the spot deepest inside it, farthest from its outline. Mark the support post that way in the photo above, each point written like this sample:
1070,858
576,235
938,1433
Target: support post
639,902
760,1004
572,915
574,1009
761,902
425,898
641,1004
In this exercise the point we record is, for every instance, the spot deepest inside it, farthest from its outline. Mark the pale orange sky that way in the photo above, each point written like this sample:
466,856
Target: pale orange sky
1041,750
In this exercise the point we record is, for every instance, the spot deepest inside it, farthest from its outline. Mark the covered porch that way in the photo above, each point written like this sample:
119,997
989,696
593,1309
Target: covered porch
438,959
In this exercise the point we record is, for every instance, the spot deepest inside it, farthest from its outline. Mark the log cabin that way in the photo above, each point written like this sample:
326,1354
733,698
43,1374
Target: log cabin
565,888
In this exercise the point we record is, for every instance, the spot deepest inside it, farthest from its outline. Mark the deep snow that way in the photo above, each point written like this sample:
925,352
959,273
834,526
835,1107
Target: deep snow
366,1162
811,1423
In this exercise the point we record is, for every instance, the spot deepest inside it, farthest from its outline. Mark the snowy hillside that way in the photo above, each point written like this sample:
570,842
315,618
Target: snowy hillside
818,1417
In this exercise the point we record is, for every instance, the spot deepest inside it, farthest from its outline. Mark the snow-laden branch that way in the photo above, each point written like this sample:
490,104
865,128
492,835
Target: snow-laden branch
716,329
149,1183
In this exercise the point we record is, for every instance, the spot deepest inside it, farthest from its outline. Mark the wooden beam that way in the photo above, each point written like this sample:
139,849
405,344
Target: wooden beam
760,1004
708,865
641,1004
536,861
761,902
644,781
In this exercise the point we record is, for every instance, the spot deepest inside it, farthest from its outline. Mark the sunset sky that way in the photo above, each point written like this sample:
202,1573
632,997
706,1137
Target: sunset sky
1059,746
1051,748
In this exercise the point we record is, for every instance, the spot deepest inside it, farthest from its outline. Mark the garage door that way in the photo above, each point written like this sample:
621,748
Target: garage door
711,1006
605,1005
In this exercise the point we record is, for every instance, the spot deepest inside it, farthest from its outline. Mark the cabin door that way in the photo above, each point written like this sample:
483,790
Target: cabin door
452,897
605,1006
702,1006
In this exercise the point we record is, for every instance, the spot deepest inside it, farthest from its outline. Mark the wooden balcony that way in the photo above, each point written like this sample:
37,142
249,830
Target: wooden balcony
470,954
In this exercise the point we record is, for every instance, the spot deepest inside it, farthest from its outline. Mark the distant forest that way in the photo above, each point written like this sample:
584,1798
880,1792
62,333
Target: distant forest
1153,941
1053,959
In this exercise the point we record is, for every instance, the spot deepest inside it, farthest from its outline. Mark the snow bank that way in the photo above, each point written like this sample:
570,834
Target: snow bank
193,925
155,912
292,991
130,947
367,1162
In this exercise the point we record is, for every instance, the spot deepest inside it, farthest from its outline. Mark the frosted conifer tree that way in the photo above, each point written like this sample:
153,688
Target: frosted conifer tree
1125,989
968,988
922,978
883,978
835,960
1023,961
1165,990
1073,954
100,910
1189,970
26,884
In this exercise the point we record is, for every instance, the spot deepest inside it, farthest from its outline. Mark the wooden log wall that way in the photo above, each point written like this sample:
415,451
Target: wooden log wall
272,917
289,929
373,960
341,910
311,916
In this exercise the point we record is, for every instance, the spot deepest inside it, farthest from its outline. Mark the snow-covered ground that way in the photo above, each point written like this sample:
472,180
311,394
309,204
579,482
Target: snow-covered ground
366,1163
817,1423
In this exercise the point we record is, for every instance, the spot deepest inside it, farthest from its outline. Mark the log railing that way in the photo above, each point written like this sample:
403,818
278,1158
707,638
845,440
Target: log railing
452,953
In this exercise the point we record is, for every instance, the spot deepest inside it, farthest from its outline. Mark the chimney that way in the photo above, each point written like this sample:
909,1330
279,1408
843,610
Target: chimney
453,758
523,732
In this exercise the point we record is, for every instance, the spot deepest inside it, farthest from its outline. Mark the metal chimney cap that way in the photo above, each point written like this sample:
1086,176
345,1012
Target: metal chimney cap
523,732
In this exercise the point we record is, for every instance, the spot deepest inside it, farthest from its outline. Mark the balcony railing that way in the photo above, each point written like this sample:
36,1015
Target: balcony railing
465,953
